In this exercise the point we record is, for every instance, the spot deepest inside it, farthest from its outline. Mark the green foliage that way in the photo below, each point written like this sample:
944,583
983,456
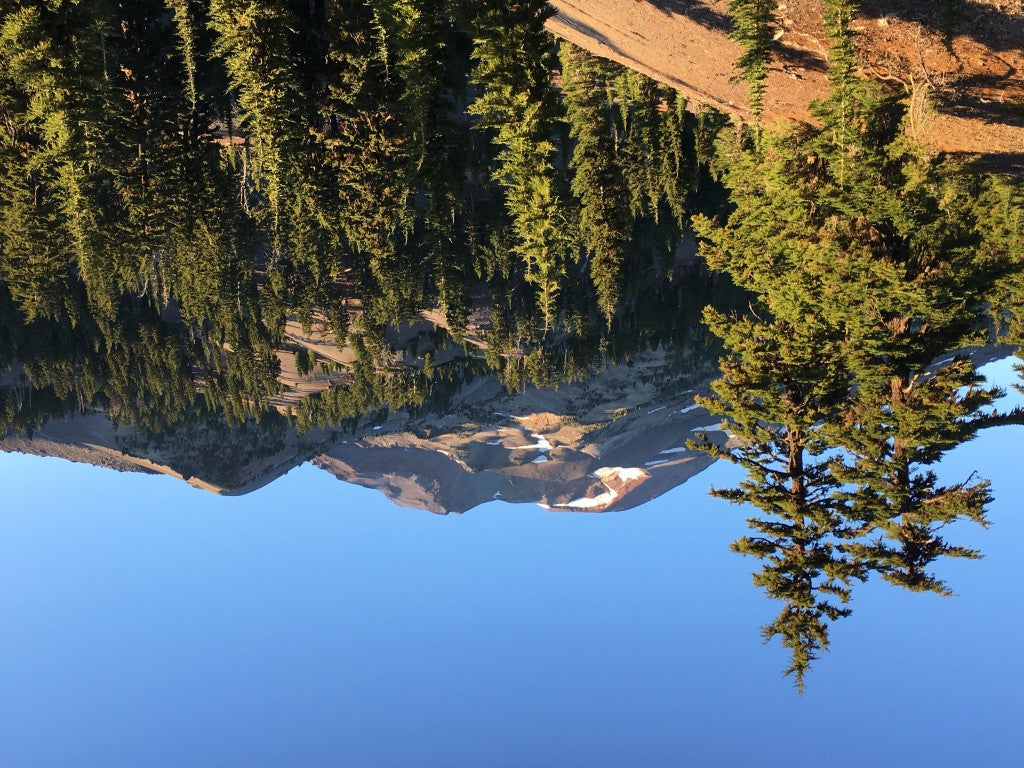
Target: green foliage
753,26
868,261
513,58
231,166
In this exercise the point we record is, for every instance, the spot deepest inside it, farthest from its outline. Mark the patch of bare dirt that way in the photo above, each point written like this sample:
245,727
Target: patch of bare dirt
967,97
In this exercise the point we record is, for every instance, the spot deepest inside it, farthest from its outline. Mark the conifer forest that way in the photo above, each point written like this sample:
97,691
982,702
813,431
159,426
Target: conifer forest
429,192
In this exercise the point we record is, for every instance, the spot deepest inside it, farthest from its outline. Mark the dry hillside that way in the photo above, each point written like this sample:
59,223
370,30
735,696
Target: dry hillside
967,98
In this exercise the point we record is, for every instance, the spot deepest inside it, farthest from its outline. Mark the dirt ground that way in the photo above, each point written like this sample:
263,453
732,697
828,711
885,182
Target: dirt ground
966,98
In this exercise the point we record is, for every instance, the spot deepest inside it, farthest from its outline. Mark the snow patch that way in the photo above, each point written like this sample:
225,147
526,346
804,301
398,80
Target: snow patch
622,473
680,449
655,462
541,445
600,500
540,459
659,408
716,427
606,498
689,408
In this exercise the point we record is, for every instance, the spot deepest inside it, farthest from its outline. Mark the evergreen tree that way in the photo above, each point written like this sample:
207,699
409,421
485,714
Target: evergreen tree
597,184
513,65
864,259
785,375
753,26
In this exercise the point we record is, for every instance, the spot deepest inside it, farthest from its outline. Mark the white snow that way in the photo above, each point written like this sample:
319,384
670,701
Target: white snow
379,426
622,473
541,445
680,449
540,459
689,408
655,462
604,499
716,427
600,500
660,408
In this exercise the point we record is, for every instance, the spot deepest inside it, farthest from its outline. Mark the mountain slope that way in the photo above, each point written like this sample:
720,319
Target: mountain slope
968,98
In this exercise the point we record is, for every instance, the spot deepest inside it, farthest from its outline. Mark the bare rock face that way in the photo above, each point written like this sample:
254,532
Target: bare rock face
610,443
536,457
966,97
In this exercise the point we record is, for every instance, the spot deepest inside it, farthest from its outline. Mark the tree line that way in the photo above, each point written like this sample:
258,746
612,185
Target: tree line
208,169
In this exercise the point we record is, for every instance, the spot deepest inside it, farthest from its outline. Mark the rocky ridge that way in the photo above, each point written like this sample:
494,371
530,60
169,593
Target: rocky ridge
610,443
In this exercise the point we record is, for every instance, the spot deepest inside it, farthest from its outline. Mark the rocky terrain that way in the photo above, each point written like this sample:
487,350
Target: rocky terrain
610,443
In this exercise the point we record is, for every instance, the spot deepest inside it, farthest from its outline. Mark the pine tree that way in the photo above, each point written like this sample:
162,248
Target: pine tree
864,259
513,64
753,27
597,180
784,376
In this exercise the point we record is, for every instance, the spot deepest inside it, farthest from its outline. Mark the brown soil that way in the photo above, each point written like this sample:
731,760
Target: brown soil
967,98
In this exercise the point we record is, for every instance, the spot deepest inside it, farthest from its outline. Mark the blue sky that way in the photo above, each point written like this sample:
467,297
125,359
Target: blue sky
312,623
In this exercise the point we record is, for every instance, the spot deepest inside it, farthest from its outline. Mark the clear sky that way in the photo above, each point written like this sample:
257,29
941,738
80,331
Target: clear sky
145,623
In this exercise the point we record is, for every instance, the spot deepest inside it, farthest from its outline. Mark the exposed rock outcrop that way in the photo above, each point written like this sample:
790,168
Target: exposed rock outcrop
610,443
